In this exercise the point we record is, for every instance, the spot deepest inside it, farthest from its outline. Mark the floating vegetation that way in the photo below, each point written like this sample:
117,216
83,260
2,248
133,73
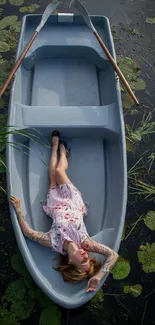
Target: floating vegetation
2,229
30,9
2,2
8,21
134,112
133,227
145,189
134,290
4,47
1,10
144,128
97,300
150,20
131,70
121,269
149,220
146,256
16,2
7,317
135,169
9,28
151,159
50,316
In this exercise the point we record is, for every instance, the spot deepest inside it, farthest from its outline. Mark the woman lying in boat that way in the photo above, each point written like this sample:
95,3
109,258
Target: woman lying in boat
68,234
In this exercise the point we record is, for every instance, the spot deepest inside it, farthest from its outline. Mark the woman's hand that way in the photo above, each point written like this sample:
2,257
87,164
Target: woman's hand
15,202
93,283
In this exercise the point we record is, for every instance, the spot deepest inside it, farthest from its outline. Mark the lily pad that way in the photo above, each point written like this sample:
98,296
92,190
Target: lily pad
127,101
16,291
150,20
97,300
19,266
16,27
43,299
30,9
2,2
2,229
146,256
9,37
16,2
4,47
149,220
1,10
121,269
8,21
6,317
135,290
50,316
5,68
140,84
22,309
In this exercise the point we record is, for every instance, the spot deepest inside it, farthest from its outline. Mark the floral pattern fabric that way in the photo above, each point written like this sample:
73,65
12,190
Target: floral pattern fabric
66,207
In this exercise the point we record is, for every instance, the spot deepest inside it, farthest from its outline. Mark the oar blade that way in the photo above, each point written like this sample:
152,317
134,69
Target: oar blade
49,9
83,12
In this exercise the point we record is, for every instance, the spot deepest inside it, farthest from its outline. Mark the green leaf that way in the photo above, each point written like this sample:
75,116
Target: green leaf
121,269
18,264
2,229
2,2
149,220
146,256
126,100
150,20
97,300
16,2
4,47
140,84
30,9
1,10
135,290
16,27
7,318
43,299
15,291
22,309
3,166
50,316
8,21
2,103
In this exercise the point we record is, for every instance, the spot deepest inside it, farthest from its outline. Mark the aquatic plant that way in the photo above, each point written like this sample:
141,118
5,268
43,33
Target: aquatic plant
97,300
121,269
151,159
50,316
32,8
142,188
149,220
131,70
146,256
134,290
133,227
16,2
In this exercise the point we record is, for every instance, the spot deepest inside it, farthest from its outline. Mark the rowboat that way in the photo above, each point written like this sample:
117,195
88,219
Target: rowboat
66,82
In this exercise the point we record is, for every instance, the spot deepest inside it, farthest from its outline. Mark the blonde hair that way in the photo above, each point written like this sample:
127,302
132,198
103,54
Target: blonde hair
70,273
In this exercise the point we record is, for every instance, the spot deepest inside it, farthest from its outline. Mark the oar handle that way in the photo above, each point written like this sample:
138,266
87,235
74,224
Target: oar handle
17,64
116,68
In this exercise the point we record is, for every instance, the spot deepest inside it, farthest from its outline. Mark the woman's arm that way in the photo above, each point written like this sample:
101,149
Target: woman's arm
41,238
111,258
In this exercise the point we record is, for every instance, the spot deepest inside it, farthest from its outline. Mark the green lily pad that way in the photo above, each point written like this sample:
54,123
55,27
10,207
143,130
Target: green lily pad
18,264
121,269
6,317
135,290
97,300
30,9
2,229
16,291
9,37
43,299
4,47
127,101
50,316
1,10
5,68
22,309
2,2
16,27
149,220
150,20
16,2
8,21
146,256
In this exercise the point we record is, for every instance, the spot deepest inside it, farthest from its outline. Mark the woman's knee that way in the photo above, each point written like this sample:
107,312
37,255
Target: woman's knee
59,172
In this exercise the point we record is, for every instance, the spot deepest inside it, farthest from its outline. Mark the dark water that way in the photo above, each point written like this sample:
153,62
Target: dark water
116,308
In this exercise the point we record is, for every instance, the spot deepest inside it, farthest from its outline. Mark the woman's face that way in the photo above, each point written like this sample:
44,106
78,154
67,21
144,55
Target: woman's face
81,259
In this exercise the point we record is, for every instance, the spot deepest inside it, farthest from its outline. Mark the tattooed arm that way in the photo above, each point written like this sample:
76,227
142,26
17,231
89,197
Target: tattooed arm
41,238
111,258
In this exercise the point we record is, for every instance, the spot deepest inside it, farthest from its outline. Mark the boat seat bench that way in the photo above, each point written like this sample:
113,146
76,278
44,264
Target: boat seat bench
84,117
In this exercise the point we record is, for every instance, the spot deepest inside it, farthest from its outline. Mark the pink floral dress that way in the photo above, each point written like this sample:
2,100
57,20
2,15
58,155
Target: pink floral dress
66,207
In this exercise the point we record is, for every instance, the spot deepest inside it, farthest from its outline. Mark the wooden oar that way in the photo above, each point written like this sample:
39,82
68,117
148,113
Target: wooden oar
84,13
49,9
